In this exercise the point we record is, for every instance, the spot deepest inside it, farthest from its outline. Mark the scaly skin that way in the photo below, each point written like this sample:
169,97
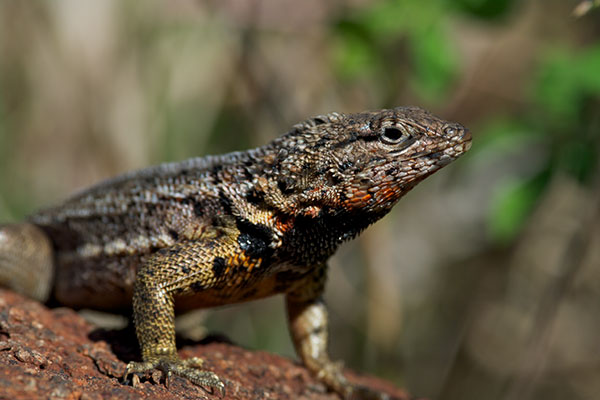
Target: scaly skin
226,229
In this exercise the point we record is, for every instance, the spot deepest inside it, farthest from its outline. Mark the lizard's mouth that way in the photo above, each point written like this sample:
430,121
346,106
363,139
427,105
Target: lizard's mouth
466,140
454,149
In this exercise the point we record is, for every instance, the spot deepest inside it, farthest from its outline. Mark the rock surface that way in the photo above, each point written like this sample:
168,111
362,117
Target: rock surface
55,353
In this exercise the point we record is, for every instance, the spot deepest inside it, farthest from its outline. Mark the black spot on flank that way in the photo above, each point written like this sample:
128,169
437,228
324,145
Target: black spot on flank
185,269
196,205
150,209
254,239
198,209
174,234
167,252
391,171
247,174
282,185
197,286
255,196
286,185
216,169
225,203
252,246
219,266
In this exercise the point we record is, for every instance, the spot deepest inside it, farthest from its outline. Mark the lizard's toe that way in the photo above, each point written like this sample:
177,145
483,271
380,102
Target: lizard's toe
365,393
188,369
134,368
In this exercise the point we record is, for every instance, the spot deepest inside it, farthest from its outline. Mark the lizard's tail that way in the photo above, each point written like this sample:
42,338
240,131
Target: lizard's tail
26,260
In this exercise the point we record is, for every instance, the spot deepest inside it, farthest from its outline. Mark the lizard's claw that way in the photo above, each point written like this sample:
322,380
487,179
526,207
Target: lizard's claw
364,393
188,369
332,375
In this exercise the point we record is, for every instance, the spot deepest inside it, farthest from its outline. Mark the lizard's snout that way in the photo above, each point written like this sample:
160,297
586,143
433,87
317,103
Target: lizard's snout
466,136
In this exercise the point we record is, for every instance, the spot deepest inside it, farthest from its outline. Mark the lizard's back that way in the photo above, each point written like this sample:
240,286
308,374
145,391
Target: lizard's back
103,234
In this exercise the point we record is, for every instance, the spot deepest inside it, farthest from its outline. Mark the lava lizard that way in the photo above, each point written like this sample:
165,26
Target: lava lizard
224,229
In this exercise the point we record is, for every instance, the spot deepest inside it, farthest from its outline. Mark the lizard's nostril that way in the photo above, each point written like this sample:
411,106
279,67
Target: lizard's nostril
450,131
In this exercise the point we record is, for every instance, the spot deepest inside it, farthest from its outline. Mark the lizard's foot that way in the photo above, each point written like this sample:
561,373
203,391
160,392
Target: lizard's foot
364,393
188,369
331,374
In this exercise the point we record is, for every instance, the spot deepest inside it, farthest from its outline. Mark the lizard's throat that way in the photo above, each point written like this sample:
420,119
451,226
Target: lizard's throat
314,239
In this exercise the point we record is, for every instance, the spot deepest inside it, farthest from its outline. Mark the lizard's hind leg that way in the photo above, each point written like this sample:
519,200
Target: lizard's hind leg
26,260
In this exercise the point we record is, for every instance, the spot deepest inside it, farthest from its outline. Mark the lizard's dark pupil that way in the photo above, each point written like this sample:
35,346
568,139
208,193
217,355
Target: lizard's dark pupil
392,134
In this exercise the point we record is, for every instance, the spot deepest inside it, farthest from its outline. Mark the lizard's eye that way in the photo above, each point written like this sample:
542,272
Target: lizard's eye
393,135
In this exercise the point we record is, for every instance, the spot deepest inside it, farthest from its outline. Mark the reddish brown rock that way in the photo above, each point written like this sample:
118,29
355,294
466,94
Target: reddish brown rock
54,353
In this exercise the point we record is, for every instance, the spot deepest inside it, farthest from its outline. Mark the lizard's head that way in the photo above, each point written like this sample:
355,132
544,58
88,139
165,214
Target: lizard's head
364,162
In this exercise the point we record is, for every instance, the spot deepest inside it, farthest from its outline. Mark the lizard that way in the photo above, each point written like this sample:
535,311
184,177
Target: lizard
230,228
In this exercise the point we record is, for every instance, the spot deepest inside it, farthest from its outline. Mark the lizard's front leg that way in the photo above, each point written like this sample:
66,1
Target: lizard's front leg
170,271
308,322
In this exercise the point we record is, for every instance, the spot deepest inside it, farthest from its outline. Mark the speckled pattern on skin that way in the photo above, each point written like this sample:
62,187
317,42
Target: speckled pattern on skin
225,229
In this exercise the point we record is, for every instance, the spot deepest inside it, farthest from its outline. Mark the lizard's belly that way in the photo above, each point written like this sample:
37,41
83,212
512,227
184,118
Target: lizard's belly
232,292
243,286
103,283
106,283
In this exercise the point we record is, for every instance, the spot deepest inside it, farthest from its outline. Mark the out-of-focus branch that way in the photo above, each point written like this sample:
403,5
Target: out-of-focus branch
585,7
534,359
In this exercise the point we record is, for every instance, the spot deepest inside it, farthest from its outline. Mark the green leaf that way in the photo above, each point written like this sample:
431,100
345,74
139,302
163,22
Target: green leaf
558,86
505,134
578,158
354,53
487,9
512,206
565,79
588,70
435,64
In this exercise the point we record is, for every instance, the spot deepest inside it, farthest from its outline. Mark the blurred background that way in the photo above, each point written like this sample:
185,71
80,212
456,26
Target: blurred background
483,283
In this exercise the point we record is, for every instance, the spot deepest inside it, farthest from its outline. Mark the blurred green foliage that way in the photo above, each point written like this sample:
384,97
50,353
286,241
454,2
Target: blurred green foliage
561,125
487,9
368,41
